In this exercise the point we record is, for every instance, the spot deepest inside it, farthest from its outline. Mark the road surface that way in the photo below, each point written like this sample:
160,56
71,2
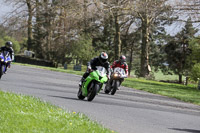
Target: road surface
129,111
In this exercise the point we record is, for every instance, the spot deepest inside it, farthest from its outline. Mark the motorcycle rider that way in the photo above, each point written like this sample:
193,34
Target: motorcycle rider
8,47
101,60
119,63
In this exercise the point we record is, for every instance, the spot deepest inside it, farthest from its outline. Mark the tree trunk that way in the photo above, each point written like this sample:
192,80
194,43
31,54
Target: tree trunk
38,46
131,60
117,37
85,17
30,16
48,30
145,48
180,78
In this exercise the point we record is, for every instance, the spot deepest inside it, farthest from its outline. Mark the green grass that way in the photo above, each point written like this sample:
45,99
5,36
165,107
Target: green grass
25,114
160,76
184,93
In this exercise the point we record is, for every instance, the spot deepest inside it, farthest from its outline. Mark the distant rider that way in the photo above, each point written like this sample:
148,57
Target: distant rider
8,47
101,60
119,63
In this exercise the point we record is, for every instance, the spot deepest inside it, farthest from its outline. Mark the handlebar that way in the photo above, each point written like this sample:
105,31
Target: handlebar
124,76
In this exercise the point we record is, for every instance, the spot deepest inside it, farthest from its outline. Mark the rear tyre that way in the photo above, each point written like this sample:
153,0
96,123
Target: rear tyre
115,87
79,95
92,91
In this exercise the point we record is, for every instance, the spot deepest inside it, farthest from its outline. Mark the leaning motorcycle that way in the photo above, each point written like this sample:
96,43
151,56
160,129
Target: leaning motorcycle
93,84
4,60
117,77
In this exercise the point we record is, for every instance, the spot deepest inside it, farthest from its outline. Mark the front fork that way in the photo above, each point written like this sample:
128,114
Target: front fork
6,66
3,66
100,87
119,80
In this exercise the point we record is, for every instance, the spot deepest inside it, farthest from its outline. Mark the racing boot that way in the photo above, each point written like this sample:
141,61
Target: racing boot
5,70
81,81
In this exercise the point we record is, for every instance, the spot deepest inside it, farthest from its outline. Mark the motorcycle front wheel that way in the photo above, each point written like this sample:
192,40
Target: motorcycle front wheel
92,91
79,95
115,87
1,71
107,89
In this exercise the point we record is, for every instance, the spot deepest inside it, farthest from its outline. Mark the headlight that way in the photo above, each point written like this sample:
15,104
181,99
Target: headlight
2,60
115,75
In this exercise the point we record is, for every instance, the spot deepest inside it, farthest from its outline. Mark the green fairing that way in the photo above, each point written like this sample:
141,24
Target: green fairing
93,76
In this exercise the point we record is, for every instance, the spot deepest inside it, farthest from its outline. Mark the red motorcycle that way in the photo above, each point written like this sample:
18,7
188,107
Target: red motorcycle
117,77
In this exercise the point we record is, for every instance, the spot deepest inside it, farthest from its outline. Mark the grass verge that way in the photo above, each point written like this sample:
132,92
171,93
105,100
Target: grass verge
184,93
25,114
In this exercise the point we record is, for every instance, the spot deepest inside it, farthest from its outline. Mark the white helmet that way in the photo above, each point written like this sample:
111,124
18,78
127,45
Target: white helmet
103,57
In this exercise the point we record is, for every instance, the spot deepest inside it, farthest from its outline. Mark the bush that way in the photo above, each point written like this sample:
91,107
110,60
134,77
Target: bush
16,45
33,61
195,72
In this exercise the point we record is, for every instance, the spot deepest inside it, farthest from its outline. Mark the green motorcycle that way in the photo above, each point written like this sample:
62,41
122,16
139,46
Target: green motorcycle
93,84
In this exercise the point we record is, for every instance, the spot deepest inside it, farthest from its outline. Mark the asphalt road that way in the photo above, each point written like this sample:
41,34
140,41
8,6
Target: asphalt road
129,111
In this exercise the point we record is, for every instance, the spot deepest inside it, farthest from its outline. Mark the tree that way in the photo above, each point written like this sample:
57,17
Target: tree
23,8
194,45
195,72
4,38
131,47
115,11
30,16
82,49
194,58
16,46
178,51
149,12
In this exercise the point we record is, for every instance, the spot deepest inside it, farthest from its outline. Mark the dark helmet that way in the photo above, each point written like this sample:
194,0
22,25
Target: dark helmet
122,58
103,57
8,44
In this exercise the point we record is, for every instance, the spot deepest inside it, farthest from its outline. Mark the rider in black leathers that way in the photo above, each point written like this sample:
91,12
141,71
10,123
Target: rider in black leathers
8,47
101,60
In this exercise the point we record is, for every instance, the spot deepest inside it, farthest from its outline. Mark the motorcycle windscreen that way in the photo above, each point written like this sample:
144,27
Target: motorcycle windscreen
101,71
120,71
7,56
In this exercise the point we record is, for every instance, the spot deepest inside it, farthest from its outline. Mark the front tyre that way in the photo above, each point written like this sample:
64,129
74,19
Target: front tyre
107,89
1,71
115,87
92,91
79,95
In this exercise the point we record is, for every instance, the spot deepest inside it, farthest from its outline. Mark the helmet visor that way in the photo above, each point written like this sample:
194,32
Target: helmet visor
123,60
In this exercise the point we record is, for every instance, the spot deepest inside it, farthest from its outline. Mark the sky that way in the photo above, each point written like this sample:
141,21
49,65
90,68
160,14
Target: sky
5,8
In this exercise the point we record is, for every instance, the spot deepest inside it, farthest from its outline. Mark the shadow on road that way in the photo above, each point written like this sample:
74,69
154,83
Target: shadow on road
123,103
104,102
64,97
186,130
